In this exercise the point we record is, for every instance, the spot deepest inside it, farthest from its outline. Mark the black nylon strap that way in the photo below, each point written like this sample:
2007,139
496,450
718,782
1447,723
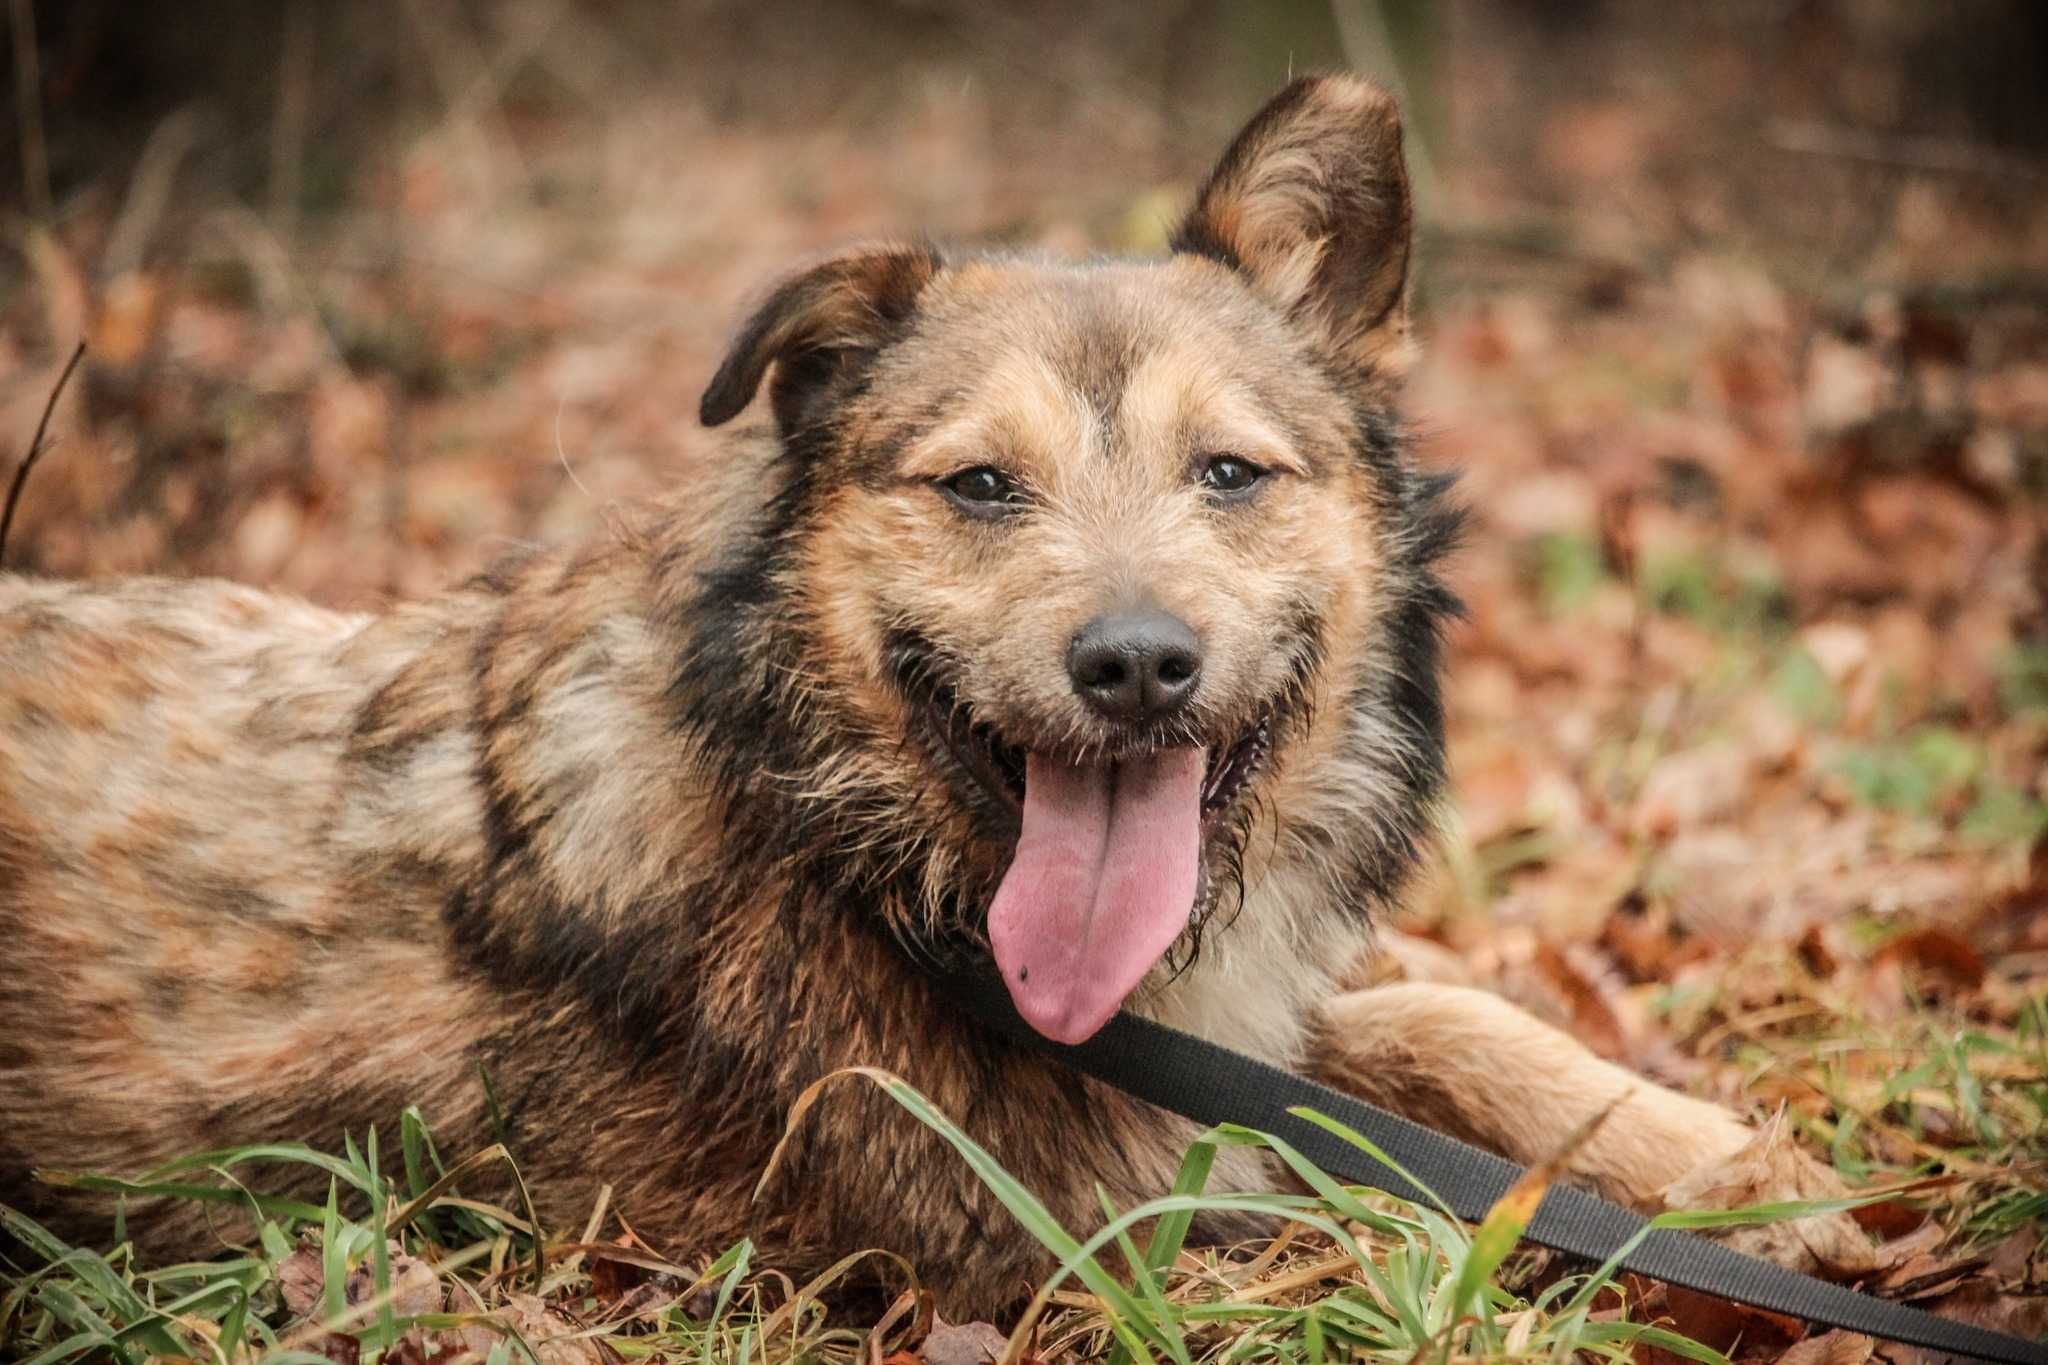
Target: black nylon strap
1210,1085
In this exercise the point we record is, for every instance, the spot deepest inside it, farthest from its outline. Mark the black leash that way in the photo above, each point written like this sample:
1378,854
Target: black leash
1210,1085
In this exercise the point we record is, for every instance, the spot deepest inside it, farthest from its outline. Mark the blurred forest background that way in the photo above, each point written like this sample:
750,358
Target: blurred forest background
1737,324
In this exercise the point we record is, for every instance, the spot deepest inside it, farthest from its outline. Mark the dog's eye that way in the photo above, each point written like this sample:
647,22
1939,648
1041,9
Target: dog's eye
981,491
1230,476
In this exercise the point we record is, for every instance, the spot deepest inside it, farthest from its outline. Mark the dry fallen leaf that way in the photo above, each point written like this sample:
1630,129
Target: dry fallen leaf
1771,1168
553,1338
1817,953
1718,1323
625,1288
1891,1219
2021,1263
967,1343
1979,1302
1937,956
415,1288
338,1347
1926,1276
1829,1348
299,1279
1688,789
1646,941
1578,983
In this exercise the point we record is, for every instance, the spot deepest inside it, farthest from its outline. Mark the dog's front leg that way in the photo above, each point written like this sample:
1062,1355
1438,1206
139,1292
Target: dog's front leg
1473,1065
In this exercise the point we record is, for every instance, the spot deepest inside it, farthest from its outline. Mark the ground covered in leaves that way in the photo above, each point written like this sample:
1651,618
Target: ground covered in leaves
1749,717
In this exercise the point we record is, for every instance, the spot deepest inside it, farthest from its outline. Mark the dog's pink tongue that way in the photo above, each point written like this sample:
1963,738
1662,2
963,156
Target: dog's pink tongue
1101,886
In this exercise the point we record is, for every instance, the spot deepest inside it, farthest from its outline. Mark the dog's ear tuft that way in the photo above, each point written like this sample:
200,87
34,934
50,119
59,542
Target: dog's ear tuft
1311,205
815,326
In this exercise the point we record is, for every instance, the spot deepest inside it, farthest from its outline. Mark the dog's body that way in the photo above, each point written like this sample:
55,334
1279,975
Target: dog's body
658,832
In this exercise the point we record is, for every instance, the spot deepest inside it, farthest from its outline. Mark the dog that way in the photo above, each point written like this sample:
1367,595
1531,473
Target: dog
1080,618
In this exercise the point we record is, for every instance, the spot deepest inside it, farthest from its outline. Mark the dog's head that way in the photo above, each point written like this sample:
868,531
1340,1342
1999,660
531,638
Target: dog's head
1102,569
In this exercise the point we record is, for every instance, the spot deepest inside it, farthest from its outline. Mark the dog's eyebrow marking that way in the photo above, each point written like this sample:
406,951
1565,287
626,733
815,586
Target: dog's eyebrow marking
1023,407
877,460
1185,392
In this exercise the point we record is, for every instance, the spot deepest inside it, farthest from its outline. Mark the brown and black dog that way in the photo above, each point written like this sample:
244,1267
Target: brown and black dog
1082,615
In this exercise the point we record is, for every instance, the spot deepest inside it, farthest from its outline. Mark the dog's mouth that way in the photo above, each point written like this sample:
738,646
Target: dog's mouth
1108,868
1000,768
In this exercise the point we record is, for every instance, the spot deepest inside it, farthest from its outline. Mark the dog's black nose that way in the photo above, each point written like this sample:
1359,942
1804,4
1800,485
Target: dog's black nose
1135,665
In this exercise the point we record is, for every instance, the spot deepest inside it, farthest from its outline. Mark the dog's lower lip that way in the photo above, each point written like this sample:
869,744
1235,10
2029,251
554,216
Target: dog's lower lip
999,766
996,767
1231,770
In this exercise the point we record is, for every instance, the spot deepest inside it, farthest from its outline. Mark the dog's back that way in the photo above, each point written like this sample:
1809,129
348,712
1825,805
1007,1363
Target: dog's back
186,954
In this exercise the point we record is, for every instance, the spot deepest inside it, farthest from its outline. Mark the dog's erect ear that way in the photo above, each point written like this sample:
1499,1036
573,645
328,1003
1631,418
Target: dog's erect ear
1311,205
816,326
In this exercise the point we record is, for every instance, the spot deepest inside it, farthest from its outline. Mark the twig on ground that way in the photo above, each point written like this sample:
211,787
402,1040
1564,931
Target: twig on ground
1368,44
28,108
151,190
35,448
1942,156
288,128
472,84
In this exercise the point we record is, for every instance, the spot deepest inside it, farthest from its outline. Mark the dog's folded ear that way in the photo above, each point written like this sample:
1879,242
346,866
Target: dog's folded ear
1311,205
817,326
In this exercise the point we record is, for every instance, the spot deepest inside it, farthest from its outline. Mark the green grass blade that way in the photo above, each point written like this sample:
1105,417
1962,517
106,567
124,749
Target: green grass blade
1753,1214
276,1246
234,1322
70,1348
32,1234
1501,1231
287,1153
1171,1232
1158,1311
736,1261
1599,1279
197,1298
412,1145
1280,1206
237,1268
74,1312
333,1257
380,1253
354,1158
1337,1196
1630,1334
1373,1150
271,1205
1022,1204
1382,1328
114,1292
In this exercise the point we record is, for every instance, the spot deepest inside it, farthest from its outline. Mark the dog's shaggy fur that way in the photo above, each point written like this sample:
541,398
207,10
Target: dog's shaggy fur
659,831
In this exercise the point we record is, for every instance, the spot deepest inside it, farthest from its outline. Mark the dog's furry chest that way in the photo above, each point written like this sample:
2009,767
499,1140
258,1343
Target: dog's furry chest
1259,977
